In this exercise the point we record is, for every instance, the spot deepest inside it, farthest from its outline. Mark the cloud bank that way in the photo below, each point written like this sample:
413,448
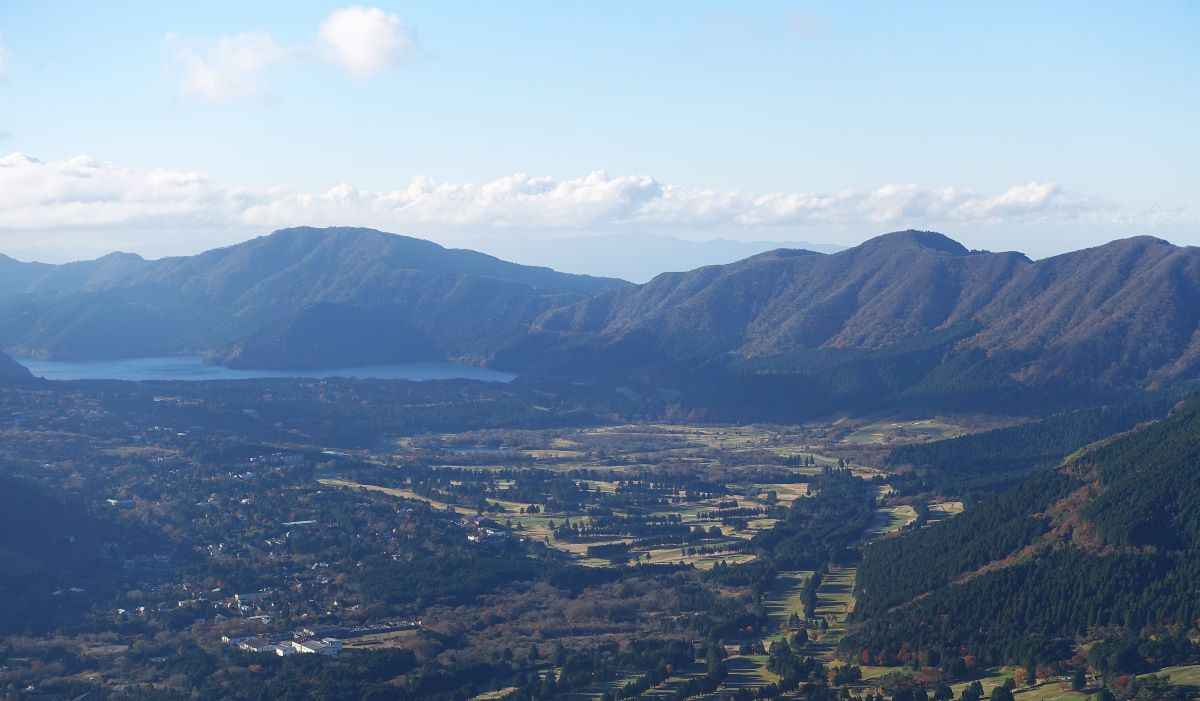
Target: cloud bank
82,200
600,200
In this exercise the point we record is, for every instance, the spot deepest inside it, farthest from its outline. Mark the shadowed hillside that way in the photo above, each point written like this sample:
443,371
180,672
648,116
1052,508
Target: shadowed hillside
909,312
270,302
13,373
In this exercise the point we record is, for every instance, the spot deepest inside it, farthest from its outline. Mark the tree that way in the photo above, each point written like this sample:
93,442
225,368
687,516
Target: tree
549,685
1000,693
809,599
712,658
973,692
1078,680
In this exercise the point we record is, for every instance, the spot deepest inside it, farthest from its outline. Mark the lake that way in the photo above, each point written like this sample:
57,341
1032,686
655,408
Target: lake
194,368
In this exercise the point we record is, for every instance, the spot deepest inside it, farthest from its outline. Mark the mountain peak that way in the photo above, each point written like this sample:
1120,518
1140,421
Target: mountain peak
122,256
931,240
1138,243
342,233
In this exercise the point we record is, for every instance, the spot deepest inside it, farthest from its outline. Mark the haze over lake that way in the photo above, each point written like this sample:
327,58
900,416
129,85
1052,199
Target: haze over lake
193,368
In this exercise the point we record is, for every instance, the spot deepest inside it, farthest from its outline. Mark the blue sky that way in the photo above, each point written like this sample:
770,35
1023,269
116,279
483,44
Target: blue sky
1036,126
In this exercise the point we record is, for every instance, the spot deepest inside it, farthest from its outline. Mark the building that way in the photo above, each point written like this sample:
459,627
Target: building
330,647
256,645
252,599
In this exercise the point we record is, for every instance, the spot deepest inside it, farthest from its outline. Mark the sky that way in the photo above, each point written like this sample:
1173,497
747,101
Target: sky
169,128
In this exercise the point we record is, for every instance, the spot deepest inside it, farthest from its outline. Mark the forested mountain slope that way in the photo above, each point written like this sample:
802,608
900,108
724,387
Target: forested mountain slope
19,278
987,462
297,298
911,312
1106,546
13,373
53,554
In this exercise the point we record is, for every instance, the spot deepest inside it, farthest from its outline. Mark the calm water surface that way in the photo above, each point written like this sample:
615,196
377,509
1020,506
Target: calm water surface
193,368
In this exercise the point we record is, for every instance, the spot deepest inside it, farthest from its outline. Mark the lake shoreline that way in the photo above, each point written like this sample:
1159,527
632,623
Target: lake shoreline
194,369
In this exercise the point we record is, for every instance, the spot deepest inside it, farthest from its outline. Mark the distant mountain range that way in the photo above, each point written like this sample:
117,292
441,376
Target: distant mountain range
908,314
299,298
633,256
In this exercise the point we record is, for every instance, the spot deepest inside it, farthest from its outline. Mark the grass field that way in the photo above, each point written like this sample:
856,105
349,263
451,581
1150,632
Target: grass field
785,493
990,679
378,641
903,432
783,599
1053,690
512,507
945,509
892,518
835,600
537,527
674,555
873,672
748,671
494,695
835,597
1186,675
402,493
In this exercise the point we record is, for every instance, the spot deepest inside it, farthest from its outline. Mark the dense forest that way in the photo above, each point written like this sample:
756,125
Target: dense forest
896,570
1124,563
981,463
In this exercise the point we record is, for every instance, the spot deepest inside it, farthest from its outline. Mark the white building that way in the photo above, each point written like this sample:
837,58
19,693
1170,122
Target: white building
330,647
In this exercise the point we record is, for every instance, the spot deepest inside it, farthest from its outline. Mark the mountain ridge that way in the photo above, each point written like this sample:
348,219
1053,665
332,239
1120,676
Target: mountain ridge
905,314
222,302
609,254
1086,313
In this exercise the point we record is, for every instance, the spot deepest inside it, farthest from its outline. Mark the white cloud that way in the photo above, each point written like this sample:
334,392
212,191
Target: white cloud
229,68
364,40
82,199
